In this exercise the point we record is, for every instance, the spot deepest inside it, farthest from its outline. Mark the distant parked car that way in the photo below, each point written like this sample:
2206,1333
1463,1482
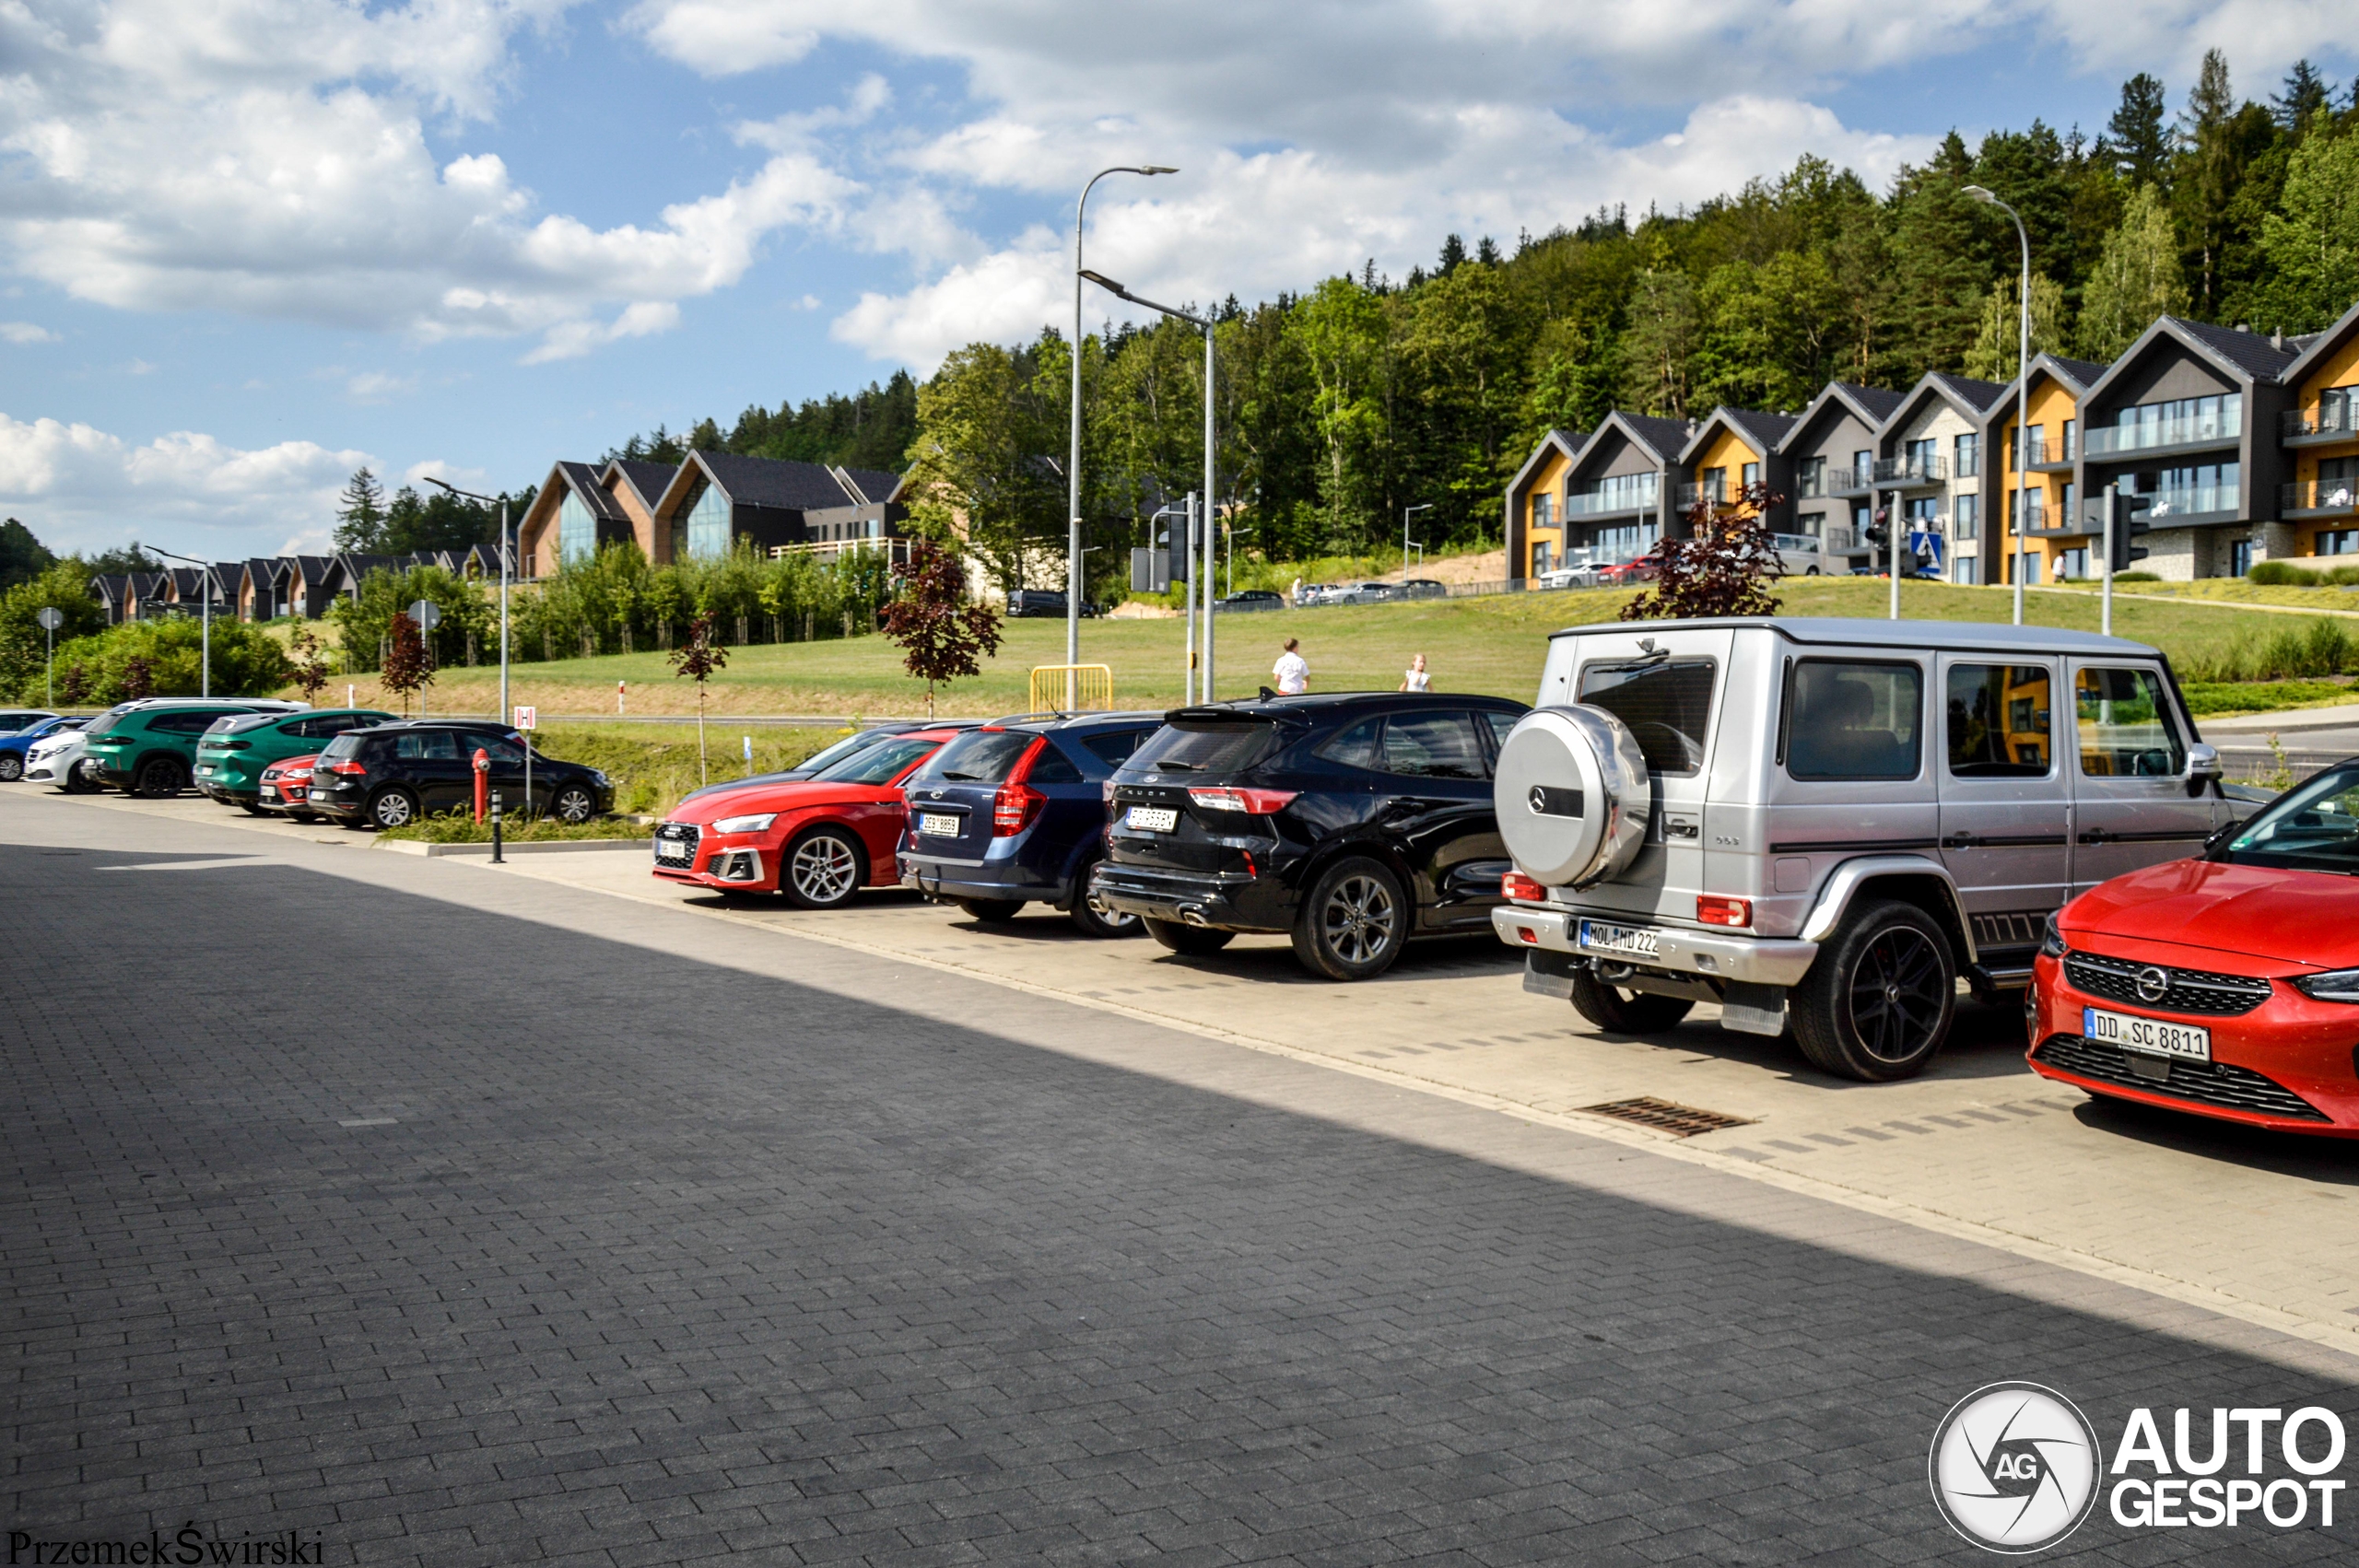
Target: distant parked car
15,720
1015,813
819,841
285,788
230,755
1322,593
1584,574
391,774
151,750
1362,593
820,761
1645,569
14,747
1025,604
1253,599
1799,555
1350,822
1423,588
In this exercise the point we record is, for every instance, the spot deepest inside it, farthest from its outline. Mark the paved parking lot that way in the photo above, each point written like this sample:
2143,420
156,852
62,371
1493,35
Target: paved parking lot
441,1215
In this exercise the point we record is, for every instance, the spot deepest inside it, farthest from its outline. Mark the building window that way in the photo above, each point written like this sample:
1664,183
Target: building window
2178,422
1811,478
2337,542
1863,467
1543,510
707,524
2032,448
1967,517
2071,436
2336,405
2239,556
1969,455
1749,475
1614,493
1712,485
2067,517
2034,501
2072,564
577,531
1922,457
1962,569
1544,557
2199,487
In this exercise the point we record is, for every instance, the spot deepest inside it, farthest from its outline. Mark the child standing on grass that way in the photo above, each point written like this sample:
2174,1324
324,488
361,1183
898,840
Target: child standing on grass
1416,680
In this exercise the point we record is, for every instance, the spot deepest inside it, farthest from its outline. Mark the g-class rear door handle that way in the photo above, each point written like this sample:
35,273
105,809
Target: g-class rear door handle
1959,841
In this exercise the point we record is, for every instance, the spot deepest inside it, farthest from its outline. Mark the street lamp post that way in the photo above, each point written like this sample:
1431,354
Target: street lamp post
1072,463
205,592
1406,513
1210,456
2022,392
507,714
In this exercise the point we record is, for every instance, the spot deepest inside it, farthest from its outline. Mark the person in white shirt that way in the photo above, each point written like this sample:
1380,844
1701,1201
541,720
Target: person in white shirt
1416,680
1292,671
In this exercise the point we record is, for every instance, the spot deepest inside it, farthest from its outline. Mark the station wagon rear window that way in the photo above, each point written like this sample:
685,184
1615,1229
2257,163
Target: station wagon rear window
1846,720
979,756
1667,705
1203,748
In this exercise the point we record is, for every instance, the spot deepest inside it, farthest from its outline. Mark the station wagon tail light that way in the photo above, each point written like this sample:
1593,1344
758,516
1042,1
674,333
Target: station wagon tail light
1014,807
347,765
1254,802
1714,911
1522,889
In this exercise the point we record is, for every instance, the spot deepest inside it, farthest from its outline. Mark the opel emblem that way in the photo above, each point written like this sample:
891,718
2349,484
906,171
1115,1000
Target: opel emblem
2153,983
1540,800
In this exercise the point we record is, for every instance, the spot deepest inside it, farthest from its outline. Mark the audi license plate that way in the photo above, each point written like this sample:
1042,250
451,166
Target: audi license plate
1626,941
1152,819
2147,1036
941,825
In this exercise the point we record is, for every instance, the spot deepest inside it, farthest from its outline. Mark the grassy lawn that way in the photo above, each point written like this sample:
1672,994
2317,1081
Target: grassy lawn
1491,645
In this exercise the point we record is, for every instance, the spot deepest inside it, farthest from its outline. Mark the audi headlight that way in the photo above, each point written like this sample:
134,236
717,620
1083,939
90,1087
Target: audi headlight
756,824
2332,985
2051,938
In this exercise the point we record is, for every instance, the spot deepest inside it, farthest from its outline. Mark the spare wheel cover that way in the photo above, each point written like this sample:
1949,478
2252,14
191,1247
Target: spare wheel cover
1572,795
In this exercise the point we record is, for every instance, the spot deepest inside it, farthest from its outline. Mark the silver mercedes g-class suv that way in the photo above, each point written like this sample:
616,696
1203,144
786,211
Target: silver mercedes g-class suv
1827,823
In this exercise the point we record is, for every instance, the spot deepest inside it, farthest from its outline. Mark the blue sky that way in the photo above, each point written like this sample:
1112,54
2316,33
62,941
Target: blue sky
246,245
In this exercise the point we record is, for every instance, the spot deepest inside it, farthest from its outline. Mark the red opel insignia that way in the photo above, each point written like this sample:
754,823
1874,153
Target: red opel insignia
817,840
2227,985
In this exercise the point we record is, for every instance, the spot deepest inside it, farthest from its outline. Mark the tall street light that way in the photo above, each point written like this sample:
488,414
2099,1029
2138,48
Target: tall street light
2022,392
1211,459
1406,513
204,582
1072,463
507,714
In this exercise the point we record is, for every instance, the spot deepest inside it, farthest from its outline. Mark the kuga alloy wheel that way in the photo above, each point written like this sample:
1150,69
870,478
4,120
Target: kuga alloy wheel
1355,923
823,869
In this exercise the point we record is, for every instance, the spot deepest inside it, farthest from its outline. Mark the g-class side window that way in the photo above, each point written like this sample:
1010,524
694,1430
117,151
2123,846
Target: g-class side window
1848,719
1999,719
1667,706
2127,731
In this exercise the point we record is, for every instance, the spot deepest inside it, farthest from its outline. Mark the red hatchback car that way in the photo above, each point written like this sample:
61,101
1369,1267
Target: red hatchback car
817,840
2227,984
284,785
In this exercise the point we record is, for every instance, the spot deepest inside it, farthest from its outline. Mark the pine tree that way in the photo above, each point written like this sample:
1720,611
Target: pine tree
1942,248
2135,136
2210,175
1453,255
1659,342
2137,279
361,520
2304,97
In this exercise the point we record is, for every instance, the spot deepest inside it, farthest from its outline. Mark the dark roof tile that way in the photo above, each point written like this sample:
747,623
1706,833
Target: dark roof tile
2248,351
648,479
1766,429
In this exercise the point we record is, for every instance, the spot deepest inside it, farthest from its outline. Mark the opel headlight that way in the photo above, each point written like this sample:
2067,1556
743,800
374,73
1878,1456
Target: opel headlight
2051,938
2332,985
757,823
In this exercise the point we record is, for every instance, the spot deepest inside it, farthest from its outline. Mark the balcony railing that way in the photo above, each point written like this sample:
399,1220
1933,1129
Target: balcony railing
2328,419
1911,471
1598,503
1693,495
1840,540
2193,500
2046,454
2192,429
1848,481
2318,495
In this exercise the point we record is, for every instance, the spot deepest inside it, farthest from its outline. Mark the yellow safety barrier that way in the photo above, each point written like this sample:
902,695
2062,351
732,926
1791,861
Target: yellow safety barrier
1091,685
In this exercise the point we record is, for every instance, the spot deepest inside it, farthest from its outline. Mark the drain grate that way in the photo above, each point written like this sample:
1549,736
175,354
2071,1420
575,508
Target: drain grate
1681,1121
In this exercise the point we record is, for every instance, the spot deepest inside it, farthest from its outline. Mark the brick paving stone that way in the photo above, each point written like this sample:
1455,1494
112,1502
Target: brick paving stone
669,1255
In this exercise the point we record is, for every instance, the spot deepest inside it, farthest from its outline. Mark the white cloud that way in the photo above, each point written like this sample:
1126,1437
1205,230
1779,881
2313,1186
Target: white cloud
25,332
80,487
570,340
269,157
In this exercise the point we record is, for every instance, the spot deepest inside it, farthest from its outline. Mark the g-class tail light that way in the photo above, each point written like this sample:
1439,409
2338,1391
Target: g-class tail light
1521,889
1713,911
1255,803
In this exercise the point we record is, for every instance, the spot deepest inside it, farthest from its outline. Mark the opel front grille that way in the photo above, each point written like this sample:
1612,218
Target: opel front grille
2204,1082
2165,989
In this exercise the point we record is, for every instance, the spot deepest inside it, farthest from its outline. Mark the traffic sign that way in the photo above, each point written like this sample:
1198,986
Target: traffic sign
426,613
528,718
49,619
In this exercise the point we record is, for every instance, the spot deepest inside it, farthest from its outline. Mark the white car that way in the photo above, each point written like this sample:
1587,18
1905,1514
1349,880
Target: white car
1580,574
1799,555
52,759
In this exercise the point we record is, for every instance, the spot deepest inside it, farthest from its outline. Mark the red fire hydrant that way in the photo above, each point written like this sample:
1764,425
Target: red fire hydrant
483,783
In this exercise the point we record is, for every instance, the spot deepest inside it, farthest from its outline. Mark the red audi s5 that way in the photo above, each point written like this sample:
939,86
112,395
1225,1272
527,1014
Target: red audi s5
817,840
2227,985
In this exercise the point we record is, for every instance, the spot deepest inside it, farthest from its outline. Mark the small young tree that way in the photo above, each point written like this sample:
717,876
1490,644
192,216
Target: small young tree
1721,570
408,667
311,669
697,659
940,635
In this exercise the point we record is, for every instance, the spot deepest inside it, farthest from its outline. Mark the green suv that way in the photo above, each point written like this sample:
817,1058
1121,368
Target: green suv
151,749
230,756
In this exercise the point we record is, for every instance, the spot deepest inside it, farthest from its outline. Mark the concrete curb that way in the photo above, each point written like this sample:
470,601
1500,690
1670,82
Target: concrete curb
550,847
2287,721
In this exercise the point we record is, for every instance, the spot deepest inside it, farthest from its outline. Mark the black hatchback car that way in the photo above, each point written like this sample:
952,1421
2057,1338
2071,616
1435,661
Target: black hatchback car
393,774
1352,822
1015,813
